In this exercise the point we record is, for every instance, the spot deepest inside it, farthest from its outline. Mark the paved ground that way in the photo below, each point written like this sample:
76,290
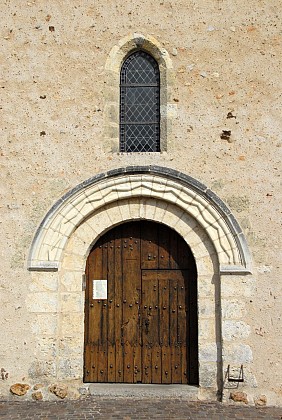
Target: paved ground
129,408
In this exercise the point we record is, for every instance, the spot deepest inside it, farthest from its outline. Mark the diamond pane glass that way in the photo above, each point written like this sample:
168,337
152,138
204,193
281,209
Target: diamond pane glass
140,104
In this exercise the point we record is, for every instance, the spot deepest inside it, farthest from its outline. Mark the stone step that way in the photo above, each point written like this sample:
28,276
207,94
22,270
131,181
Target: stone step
187,392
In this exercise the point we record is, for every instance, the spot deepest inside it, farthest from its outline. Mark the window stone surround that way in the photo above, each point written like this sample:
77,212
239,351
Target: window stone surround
168,108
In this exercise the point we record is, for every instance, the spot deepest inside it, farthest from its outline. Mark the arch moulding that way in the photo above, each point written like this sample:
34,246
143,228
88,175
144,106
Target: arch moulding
161,184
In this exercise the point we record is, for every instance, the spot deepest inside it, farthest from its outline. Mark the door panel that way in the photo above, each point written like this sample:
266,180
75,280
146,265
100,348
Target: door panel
164,325
146,329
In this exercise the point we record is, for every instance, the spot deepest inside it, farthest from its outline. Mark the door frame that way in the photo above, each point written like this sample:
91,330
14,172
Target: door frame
64,238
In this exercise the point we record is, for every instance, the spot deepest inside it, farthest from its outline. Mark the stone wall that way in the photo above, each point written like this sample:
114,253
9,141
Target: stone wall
222,74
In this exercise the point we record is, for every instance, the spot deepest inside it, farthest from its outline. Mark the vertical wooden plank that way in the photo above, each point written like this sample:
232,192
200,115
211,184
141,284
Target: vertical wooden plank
146,364
103,340
175,349
156,364
184,254
182,324
118,305
111,308
95,271
149,246
151,326
94,363
164,306
146,336
131,289
154,326
87,363
173,264
135,243
164,247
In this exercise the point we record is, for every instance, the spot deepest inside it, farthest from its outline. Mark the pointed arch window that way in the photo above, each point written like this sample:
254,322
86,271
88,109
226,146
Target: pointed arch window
140,104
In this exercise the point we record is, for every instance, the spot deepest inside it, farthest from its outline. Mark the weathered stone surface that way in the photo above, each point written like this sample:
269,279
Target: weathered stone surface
208,352
239,396
261,401
225,76
44,324
19,389
237,353
38,396
83,390
40,369
37,386
61,391
232,330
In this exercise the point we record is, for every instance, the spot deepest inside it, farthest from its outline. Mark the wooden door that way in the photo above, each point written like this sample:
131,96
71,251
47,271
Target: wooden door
142,328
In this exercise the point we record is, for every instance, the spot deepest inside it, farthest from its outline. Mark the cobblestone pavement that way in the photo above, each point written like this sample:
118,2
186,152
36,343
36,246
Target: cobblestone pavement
127,409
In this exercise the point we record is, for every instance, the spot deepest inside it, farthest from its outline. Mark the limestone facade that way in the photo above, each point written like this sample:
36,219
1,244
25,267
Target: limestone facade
216,180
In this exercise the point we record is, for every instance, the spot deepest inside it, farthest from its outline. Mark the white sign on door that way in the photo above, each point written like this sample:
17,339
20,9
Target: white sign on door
99,289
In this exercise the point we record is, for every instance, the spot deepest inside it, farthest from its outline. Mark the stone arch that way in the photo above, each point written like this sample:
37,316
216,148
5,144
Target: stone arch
72,269
168,108
168,189
69,230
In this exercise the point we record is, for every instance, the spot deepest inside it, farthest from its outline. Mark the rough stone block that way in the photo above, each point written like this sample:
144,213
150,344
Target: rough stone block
70,368
72,324
207,308
208,374
71,281
261,401
47,347
42,369
42,302
61,391
232,330
208,352
73,262
206,330
38,396
232,308
237,353
19,389
44,282
206,286
44,324
239,396
71,302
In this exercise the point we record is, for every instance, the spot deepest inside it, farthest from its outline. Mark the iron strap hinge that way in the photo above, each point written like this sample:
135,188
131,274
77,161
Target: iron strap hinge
83,285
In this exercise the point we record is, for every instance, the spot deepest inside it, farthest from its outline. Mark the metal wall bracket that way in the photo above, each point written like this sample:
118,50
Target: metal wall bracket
232,378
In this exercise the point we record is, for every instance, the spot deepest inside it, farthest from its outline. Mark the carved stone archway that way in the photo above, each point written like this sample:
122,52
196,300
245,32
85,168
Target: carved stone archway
69,230
189,196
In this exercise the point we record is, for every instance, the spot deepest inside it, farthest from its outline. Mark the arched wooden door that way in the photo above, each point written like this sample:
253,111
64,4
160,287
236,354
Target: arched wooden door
141,307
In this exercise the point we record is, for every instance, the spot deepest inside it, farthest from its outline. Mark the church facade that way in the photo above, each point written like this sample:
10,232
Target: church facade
140,174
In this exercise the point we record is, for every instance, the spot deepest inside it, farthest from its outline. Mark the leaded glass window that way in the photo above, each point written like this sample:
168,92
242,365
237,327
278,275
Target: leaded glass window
140,104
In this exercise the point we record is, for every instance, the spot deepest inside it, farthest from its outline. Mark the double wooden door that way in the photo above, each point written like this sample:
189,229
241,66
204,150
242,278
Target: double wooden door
141,307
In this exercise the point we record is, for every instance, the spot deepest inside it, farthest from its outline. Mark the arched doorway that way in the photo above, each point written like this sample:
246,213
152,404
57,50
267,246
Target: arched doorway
141,307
